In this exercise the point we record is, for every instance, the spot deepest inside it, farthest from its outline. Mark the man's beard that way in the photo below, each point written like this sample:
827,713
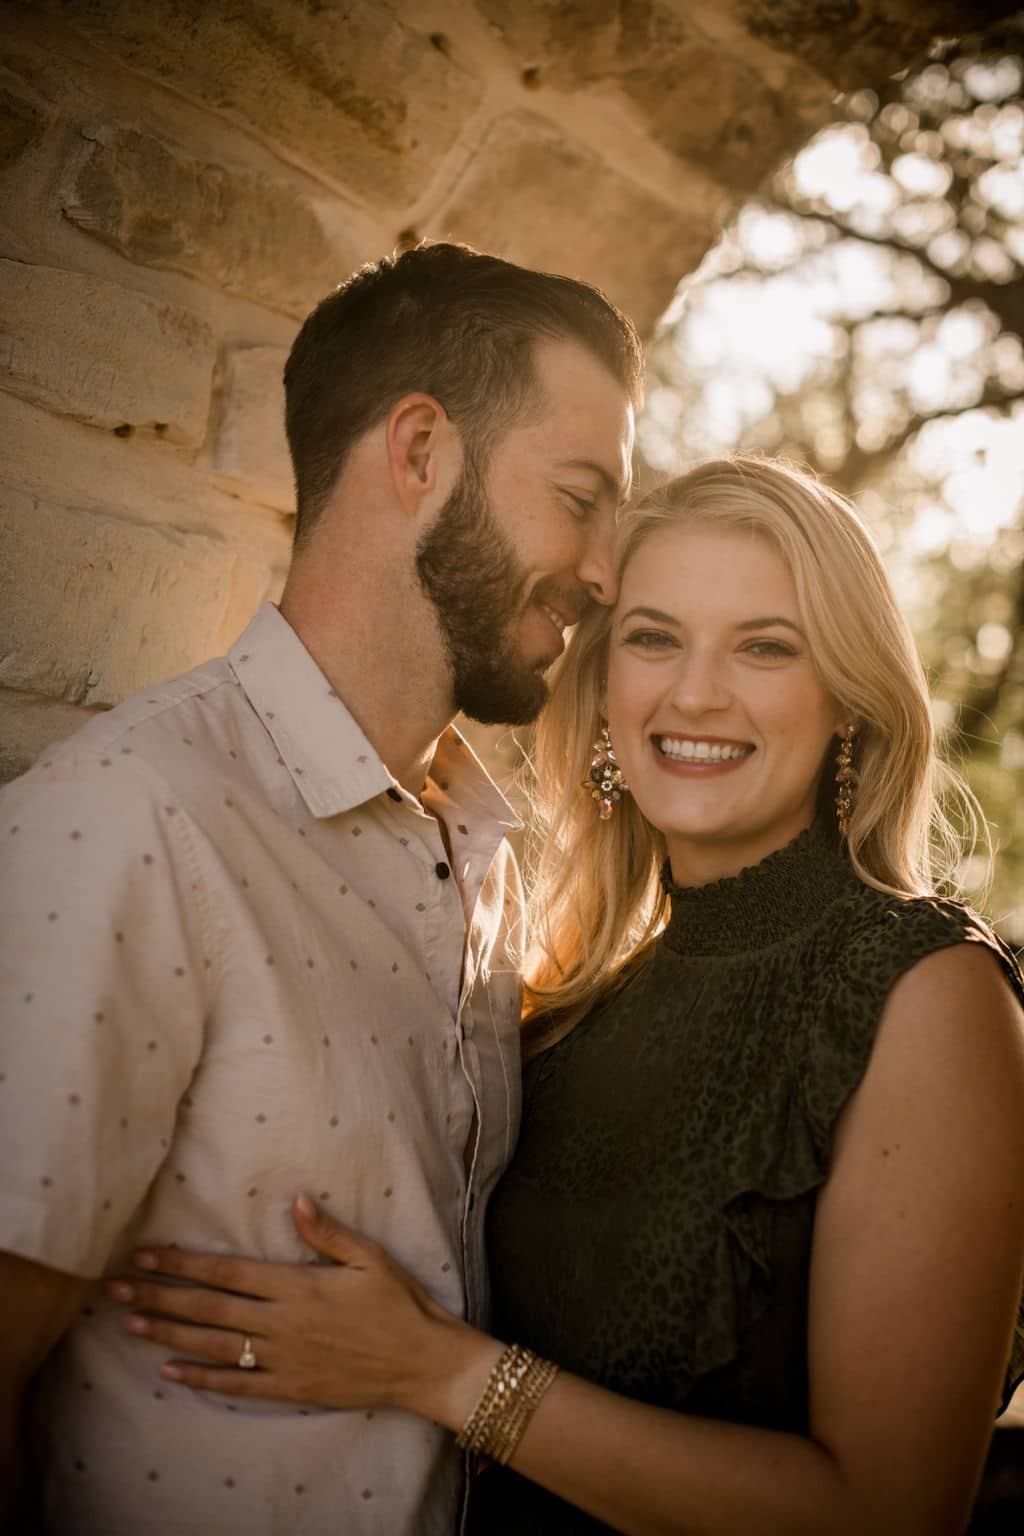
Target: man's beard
471,574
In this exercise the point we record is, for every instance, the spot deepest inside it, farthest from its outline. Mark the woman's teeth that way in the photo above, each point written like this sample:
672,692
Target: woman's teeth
699,751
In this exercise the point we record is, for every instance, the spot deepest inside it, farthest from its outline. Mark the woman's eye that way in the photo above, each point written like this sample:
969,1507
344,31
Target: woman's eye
771,650
648,639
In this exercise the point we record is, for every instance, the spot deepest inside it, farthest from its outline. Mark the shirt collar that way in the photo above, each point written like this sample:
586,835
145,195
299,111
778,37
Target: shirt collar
459,782
332,764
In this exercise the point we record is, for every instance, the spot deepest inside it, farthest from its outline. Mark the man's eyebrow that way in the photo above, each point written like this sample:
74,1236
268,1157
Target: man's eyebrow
611,483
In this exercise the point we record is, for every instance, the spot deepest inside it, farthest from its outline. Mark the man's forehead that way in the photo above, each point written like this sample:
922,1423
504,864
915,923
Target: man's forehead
571,375
585,419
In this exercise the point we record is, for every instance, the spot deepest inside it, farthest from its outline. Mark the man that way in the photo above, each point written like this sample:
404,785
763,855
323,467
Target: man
259,926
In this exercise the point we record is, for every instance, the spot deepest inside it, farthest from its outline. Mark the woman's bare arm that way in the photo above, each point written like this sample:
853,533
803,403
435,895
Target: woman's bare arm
916,1274
39,1304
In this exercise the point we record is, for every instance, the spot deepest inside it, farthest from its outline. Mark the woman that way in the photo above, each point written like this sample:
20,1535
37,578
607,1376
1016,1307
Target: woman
766,1212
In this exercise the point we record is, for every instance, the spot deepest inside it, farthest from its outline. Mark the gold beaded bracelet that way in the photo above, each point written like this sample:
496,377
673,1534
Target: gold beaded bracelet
514,1388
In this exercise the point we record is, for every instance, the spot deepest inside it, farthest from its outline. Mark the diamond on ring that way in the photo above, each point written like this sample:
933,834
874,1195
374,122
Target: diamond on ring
247,1359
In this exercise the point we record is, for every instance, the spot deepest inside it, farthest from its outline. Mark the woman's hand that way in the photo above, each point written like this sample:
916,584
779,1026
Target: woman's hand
360,1333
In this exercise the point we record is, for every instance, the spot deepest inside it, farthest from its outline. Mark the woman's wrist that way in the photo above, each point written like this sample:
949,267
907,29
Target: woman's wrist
450,1373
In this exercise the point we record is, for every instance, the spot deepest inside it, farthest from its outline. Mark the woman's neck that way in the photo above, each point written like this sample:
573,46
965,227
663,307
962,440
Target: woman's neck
699,861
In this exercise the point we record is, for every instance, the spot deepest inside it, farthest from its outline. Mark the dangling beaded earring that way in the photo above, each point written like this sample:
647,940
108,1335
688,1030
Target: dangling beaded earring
846,778
604,783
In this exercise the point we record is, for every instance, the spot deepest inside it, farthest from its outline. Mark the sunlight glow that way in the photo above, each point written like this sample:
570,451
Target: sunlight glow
865,316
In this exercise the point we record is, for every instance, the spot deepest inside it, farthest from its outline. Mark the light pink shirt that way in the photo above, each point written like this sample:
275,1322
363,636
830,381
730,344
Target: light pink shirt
234,964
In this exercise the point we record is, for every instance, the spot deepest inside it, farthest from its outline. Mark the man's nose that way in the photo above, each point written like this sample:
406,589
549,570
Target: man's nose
596,570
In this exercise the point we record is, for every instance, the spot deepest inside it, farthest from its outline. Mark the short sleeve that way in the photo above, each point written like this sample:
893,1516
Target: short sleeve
879,947
850,972
841,1038
103,977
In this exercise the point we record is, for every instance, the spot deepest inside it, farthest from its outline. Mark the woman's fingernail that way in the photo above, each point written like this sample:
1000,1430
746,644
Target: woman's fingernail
304,1204
145,1261
121,1291
172,1372
137,1324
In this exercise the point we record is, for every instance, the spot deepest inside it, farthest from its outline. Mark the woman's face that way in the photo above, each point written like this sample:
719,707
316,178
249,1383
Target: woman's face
719,719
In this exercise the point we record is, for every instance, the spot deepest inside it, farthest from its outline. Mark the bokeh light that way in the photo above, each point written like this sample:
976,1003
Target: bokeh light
864,315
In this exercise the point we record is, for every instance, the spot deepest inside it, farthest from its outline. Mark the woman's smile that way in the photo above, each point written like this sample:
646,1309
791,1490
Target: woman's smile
718,715
700,755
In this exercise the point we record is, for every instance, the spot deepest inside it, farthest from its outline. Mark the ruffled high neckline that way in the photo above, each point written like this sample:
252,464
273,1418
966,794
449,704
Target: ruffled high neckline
788,892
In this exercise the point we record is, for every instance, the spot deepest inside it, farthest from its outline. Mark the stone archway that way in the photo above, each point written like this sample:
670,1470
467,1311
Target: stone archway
184,178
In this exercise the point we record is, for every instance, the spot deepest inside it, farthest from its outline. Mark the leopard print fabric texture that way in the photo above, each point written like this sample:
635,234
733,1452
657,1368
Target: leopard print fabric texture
653,1233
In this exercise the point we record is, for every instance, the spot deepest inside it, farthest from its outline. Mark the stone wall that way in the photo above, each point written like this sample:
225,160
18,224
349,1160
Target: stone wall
182,179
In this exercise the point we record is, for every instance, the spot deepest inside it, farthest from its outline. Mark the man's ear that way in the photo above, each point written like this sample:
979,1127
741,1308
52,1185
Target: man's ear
421,448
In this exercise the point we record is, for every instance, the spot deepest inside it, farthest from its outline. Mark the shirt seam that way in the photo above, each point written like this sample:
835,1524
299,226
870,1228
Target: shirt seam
126,726
179,826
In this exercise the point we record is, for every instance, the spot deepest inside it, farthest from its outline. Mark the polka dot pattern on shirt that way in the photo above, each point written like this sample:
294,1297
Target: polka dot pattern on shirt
307,1045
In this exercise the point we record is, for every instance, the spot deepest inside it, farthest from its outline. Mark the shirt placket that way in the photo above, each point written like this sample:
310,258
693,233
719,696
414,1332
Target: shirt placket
452,970
469,1060
456,977
486,1098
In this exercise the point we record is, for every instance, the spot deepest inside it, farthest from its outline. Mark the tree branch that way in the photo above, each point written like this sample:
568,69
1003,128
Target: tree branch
860,461
1006,300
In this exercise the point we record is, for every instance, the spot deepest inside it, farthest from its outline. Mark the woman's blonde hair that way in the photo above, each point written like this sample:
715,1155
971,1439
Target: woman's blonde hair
596,902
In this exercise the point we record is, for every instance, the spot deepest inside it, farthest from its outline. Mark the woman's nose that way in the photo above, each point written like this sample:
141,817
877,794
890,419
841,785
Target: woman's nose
699,684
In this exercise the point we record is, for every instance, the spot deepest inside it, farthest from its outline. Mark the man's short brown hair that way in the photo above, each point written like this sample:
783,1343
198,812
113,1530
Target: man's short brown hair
446,320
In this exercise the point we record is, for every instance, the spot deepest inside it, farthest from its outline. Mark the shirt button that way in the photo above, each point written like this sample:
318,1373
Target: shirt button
442,871
393,793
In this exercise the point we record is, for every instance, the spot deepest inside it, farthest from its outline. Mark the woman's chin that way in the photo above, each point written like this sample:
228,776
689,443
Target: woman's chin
701,821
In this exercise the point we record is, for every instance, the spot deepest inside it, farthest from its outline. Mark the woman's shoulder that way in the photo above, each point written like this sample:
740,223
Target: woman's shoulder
877,942
881,936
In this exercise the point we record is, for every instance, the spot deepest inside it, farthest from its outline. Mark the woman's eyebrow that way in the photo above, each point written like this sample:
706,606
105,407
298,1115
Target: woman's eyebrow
650,613
770,620
766,621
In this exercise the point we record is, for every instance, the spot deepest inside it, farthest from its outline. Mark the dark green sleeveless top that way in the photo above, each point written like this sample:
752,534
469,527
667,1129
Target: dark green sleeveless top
653,1233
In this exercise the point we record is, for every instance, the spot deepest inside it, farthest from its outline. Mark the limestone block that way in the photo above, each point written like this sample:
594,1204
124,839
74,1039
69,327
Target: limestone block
28,725
733,124
861,43
704,102
85,347
93,608
343,87
140,478
251,454
850,42
233,231
539,198
577,44
21,125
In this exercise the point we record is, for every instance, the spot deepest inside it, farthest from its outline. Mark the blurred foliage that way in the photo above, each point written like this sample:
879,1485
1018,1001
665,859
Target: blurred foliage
864,315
